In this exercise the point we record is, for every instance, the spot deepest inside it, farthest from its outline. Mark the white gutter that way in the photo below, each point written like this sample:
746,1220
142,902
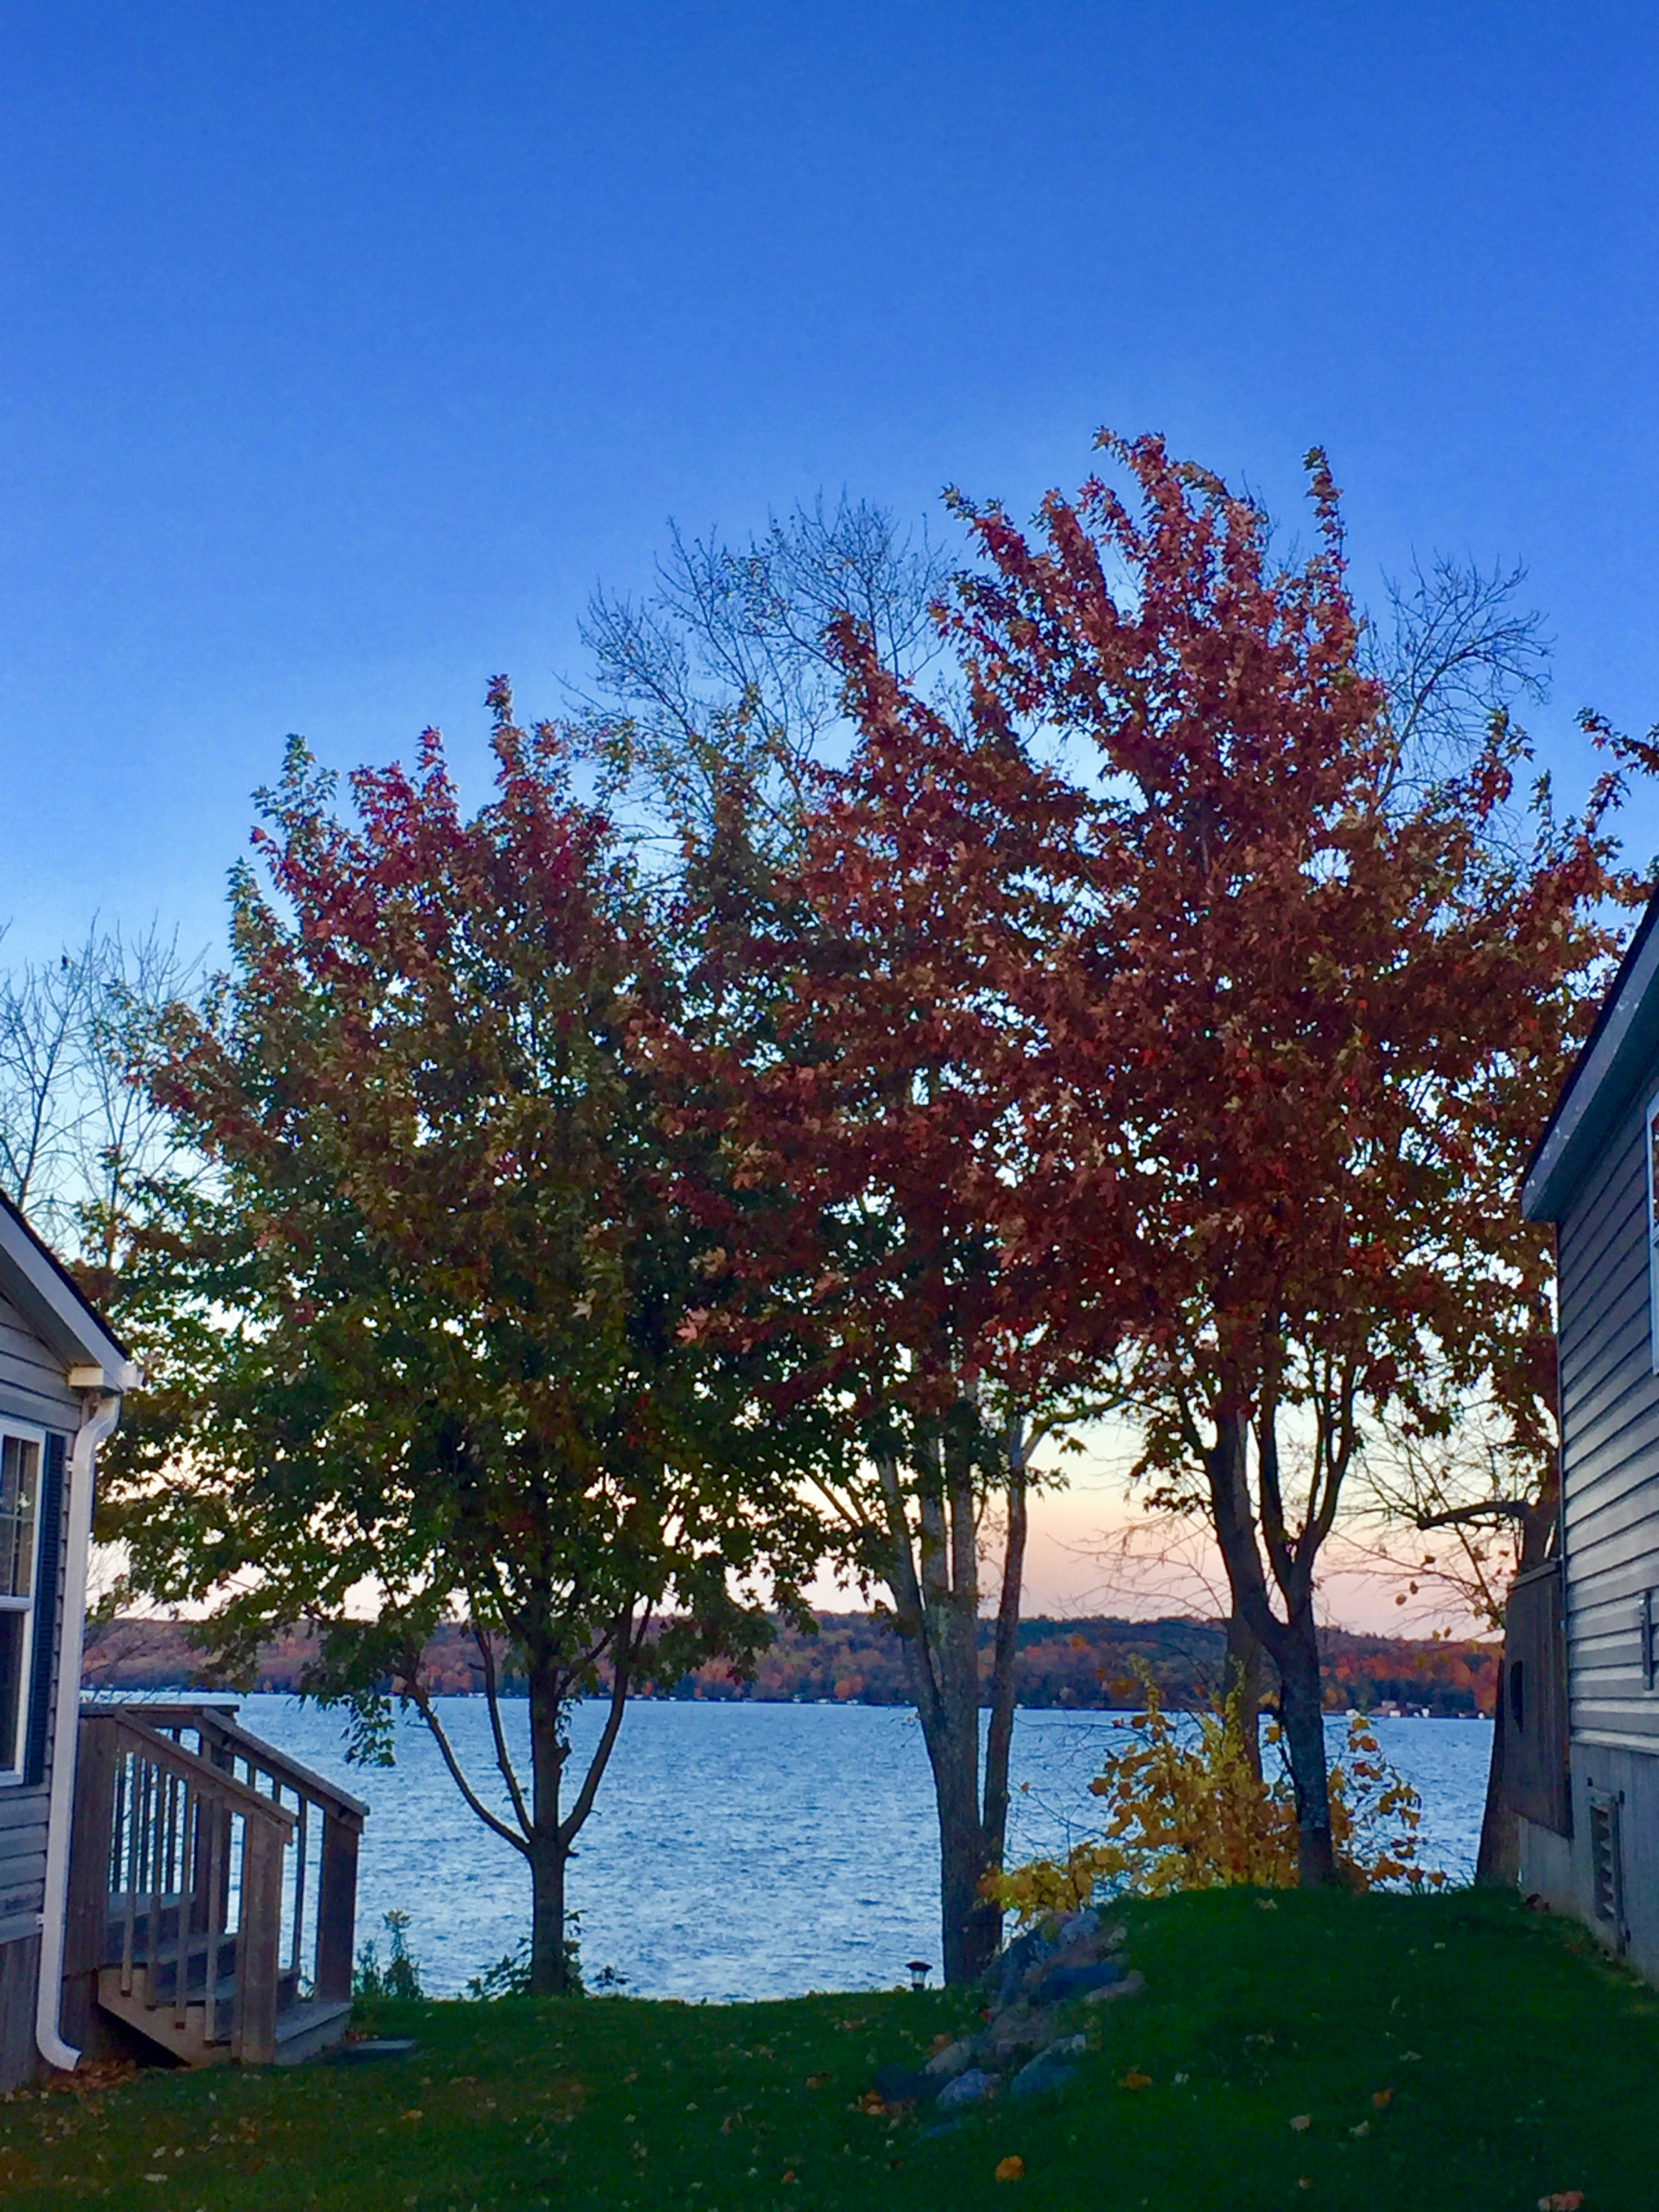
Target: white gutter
101,1410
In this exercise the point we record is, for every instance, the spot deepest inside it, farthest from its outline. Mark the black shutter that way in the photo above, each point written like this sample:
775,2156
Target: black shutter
50,1514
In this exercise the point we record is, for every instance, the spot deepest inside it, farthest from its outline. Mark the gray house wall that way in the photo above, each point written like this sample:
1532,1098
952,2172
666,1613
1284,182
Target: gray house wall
32,1389
1609,1540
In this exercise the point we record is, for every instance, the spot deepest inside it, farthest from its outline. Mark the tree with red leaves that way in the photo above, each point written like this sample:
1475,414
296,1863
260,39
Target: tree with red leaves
1273,1059
421,1343
873,1153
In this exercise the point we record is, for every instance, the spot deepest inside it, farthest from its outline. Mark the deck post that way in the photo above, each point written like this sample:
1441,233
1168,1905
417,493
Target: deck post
86,1930
336,1903
258,1942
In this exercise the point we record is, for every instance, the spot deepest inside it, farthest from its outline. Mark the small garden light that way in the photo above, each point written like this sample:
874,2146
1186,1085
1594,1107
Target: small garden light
918,1971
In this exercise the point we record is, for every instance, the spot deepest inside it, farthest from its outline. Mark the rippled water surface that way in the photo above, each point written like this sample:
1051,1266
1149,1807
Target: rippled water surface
746,1849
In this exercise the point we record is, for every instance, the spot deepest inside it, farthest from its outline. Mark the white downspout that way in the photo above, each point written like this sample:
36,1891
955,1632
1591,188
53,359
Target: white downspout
99,1414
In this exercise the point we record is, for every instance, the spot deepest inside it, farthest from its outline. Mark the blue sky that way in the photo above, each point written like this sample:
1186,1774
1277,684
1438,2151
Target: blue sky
344,348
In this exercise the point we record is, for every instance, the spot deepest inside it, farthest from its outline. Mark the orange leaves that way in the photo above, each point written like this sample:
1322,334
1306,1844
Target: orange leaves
1562,2200
1011,2169
1134,2079
1185,1812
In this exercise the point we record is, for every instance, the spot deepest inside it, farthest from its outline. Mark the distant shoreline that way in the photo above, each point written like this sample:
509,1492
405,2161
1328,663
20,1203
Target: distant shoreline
1085,1665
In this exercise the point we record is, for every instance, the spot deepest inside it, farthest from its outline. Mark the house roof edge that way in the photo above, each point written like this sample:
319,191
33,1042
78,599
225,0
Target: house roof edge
47,1295
1625,1035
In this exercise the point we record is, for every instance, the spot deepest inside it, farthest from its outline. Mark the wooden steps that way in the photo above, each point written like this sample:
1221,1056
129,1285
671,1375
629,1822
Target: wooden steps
213,1889
304,2027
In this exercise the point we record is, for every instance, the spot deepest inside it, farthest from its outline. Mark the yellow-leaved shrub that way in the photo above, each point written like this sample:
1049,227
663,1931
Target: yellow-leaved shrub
1187,1811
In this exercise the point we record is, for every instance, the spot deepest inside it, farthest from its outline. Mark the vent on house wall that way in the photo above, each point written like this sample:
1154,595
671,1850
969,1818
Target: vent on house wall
1606,1868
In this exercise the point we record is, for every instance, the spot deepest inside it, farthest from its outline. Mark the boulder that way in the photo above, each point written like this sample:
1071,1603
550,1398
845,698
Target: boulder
1130,1986
1050,2069
1008,1969
969,2088
1018,2028
955,2058
1061,1983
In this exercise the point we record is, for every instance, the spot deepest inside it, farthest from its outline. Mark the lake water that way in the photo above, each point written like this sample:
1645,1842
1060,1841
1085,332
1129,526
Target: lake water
751,1850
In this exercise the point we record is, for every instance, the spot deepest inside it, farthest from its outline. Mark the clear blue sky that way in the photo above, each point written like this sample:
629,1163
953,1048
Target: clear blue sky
343,347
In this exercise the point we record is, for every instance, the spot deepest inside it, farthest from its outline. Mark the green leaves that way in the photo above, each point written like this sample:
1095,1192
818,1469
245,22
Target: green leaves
421,1339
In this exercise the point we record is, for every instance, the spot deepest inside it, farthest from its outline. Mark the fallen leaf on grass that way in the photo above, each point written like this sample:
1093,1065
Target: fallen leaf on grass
1011,2169
1134,2079
817,2081
1363,2129
1381,2099
1265,1904
413,2113
1410,2057
1563,2200
1301,2121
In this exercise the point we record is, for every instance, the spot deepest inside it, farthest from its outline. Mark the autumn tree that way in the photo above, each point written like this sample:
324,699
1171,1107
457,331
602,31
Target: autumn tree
1282,1057
857,1234
421,1346
866,1119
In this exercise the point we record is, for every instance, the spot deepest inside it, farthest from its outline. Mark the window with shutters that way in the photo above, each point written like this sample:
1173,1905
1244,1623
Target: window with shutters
21,1456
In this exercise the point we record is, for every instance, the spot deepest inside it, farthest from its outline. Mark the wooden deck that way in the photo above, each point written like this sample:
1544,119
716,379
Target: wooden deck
212,1890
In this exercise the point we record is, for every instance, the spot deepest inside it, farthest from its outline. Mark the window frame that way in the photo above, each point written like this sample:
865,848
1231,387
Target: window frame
14,1759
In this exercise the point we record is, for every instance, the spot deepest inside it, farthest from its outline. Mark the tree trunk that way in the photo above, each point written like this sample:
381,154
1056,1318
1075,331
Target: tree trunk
998,1735
968,1927
1293,1644
934,1576
549,1966
549,1848
1245,1678
1303,1717
967,1934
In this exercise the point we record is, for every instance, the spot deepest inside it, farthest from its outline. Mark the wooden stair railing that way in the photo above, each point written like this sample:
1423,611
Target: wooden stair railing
212,1887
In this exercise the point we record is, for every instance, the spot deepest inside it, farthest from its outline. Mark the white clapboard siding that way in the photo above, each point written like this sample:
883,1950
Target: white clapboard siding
1610,1423
32,1381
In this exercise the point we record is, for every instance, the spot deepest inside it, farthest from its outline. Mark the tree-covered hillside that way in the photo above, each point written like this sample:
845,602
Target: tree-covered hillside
855,1658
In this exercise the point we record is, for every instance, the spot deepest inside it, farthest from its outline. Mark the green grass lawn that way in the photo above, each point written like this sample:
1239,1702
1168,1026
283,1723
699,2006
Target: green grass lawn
1453,2054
